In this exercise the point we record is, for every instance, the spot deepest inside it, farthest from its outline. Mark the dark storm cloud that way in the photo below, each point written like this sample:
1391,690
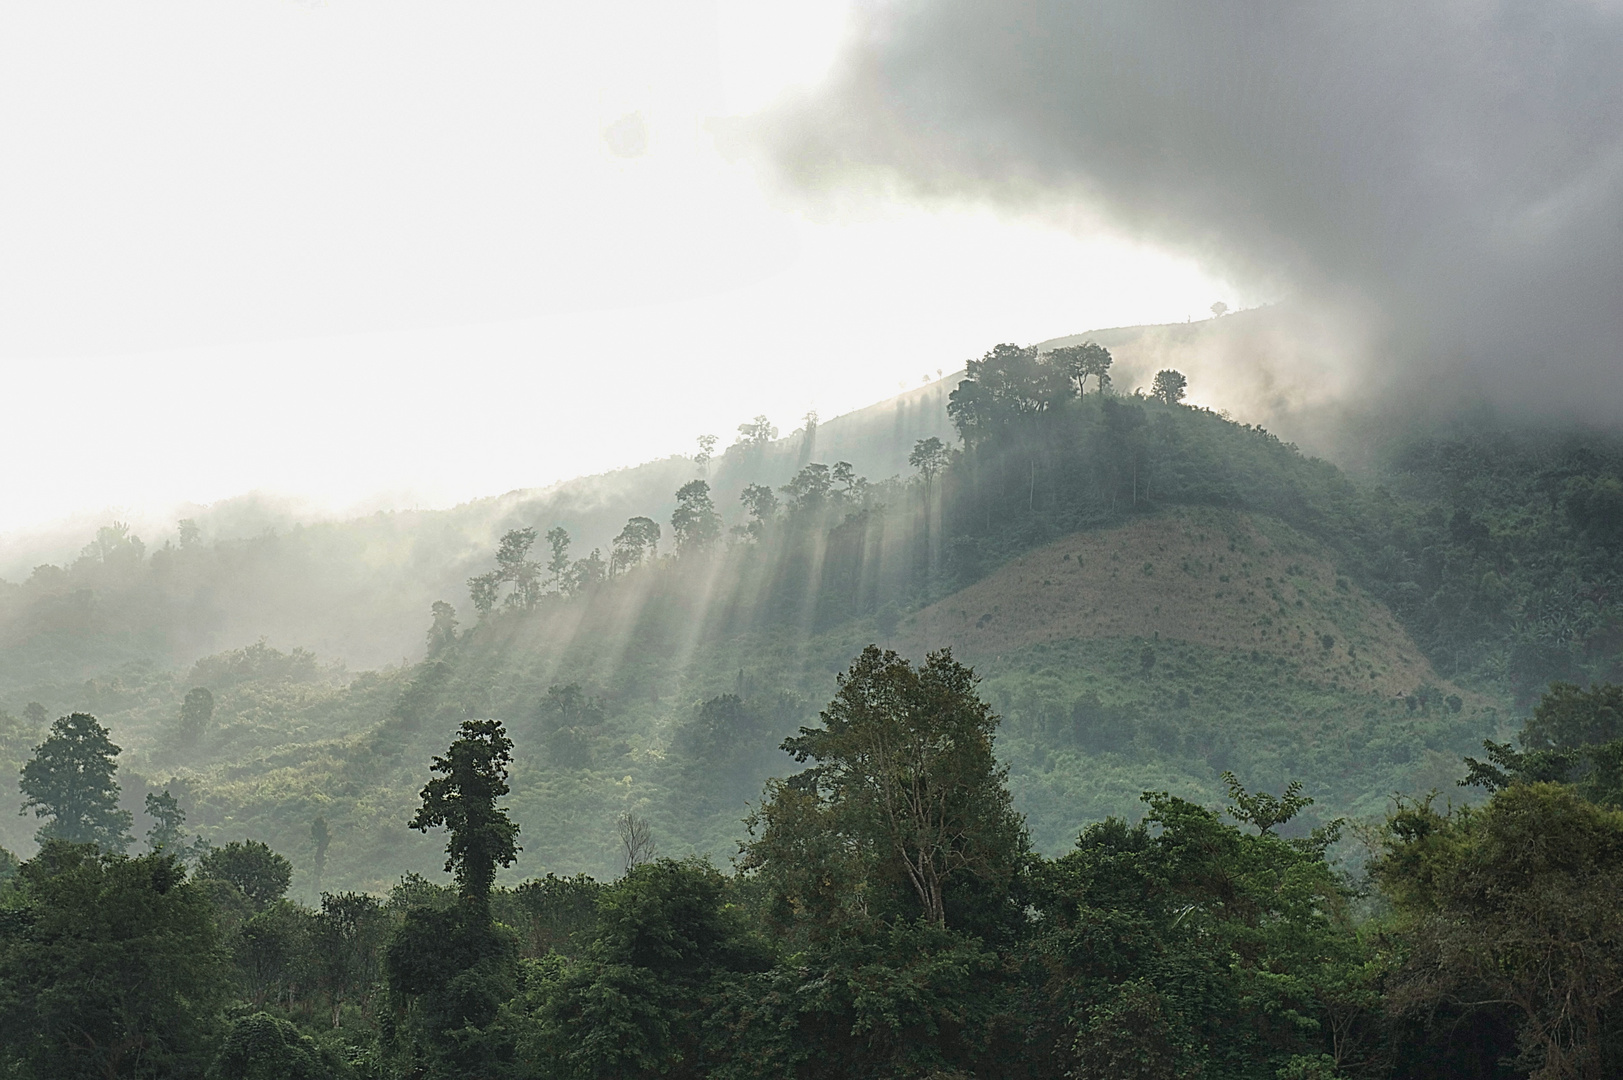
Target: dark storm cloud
1446,176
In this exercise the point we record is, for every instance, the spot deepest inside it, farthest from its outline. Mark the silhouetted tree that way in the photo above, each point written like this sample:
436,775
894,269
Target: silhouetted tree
462,798
1169,386
757,433
1079,362
762,506
695,521
707,450
442,631
196,712
636,841
69,781
584,573
558,564
320,839
637,541
260,874
167,819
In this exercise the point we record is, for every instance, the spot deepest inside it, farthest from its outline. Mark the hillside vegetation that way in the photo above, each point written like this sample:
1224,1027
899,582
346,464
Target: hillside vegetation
1073,546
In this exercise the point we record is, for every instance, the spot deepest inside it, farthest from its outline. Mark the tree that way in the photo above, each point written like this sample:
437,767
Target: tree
1006,386
1220,309
636,840
320,838
1514,904
929,457
260,874
70,782
190,534
348,934
756,433
265,1047
1169,386
1081,361
638,540
442,631
903,766
196,712
707,450
695,521
462,798
558,564
167,819
513,565
762,506
1263,810
483,591
807,491
112,967
584,573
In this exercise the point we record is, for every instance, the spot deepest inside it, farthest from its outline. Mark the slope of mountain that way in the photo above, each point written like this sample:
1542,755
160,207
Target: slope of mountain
1211,577
1151,592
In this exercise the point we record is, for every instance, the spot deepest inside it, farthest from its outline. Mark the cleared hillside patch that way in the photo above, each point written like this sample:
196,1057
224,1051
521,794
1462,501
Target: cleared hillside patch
1218,578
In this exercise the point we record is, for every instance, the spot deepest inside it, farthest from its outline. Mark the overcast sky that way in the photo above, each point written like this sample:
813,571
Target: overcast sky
438,250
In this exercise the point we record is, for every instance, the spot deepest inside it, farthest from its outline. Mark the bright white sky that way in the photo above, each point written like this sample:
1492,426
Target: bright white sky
431,251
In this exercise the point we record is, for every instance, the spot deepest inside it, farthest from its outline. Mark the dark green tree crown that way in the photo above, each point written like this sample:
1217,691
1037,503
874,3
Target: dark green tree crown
462,798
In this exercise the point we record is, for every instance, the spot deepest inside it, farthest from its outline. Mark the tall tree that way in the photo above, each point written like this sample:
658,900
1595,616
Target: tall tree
637,541
1169,386
695,521
472,775
903,768
762,506
707,450
260,874
514,566
757,432
320,839
167,818
70,782
111,968
196,713
442,631
348,933
558,563
1080,362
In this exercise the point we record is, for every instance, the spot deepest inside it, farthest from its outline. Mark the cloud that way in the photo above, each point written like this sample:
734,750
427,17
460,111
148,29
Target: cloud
1444,180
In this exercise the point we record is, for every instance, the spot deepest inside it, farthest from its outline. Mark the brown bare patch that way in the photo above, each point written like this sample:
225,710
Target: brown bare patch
1164,576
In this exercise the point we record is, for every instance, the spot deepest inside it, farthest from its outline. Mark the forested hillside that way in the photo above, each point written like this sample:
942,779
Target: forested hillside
1138,595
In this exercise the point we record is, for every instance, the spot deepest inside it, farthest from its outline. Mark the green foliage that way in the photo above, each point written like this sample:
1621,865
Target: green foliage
265,1047
1169,387
639,540
111,967
695,521
1512,904
905,777
452,968
196,711
472,776
167,819
442,631
69,781
258,873
515,569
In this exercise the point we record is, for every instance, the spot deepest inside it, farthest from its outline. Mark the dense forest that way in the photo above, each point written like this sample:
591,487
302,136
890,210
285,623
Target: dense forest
886,917
1046,848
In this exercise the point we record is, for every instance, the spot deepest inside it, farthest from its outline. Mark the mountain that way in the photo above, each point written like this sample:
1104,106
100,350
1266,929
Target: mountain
1152,593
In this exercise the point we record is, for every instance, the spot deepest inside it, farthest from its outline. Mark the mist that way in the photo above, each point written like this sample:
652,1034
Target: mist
1434,191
